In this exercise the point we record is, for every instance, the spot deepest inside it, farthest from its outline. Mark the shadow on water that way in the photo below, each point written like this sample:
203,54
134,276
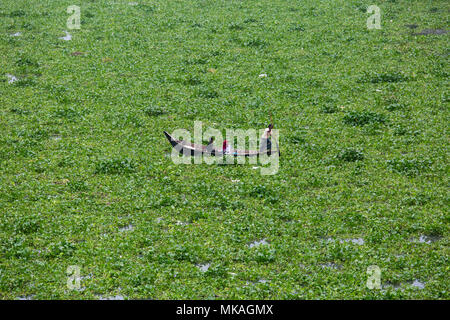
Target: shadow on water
411,26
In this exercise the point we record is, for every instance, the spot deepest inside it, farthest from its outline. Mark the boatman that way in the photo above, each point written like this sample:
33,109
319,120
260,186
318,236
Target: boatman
265,144
226,148
210,146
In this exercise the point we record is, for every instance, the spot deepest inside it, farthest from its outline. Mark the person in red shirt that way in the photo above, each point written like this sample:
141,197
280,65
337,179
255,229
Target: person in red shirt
225,147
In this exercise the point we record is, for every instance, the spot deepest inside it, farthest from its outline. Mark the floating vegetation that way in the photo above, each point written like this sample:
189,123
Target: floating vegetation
328,108
427,32
383,77
396,107
350,155
409,166
361,118
87,177
115,166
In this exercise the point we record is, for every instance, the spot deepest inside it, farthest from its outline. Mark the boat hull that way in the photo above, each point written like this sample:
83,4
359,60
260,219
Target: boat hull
191,149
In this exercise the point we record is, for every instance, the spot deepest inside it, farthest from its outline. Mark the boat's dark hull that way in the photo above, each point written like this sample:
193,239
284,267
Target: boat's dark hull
191,149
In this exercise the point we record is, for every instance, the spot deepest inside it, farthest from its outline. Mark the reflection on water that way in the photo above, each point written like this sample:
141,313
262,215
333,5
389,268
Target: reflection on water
126,228
30,297
56,137
330,265
248,283
400,286
390,285
416,283
12,78
263,281
68,37
427,239
204,267
359,241
117,297
258,243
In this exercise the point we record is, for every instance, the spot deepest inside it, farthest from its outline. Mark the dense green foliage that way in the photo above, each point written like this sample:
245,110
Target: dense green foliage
85,178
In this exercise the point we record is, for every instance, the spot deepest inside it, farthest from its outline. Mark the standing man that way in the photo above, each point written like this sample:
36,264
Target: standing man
265,143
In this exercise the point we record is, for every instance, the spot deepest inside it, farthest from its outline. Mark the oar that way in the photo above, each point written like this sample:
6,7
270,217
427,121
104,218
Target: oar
271,121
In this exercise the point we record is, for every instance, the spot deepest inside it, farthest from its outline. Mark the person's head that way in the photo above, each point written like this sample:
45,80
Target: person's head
211,140
270,126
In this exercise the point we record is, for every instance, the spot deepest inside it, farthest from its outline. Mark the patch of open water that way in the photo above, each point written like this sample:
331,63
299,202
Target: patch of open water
67,37
258,243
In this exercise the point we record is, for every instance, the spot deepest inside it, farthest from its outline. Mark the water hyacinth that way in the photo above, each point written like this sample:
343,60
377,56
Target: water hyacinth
88,177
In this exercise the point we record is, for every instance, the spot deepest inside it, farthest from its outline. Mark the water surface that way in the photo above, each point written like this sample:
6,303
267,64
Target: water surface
258,243
67,37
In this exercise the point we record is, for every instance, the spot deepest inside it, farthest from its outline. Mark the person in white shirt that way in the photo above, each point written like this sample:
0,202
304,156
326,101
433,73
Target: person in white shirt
265,142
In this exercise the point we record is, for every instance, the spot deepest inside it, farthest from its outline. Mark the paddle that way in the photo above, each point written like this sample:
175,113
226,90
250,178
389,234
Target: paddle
276,143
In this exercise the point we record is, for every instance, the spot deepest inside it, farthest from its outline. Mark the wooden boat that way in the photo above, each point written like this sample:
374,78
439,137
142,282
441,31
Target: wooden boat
193,149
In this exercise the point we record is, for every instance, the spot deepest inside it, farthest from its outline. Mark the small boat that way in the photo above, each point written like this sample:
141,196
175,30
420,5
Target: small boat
193,149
